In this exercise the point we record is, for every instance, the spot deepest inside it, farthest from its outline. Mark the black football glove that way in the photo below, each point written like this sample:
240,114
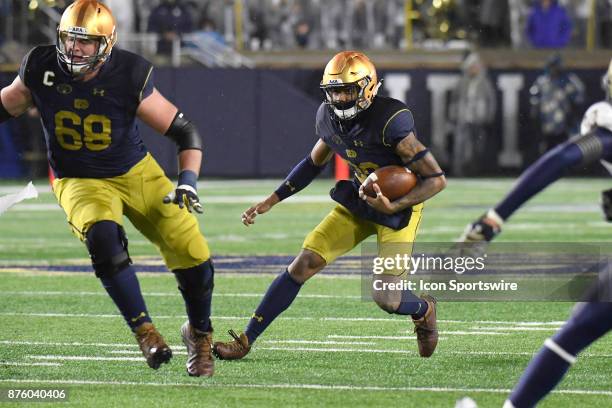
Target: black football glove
186,195
606,204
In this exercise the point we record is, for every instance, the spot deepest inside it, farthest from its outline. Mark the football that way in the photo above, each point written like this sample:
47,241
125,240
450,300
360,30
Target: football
394,182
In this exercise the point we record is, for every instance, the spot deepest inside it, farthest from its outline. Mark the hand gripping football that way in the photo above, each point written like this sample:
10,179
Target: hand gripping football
394,182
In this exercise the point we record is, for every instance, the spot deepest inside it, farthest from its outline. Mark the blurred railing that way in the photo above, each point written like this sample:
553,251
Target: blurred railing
197,47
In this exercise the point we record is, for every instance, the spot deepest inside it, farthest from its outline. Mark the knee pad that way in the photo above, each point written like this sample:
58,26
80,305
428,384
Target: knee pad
107,245
590,146
197,282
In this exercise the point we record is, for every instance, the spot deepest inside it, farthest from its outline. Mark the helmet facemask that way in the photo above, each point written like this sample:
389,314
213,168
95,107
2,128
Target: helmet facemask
84,64
350,107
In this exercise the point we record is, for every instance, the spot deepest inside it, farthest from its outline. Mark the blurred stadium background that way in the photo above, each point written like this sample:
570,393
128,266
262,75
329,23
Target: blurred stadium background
247,73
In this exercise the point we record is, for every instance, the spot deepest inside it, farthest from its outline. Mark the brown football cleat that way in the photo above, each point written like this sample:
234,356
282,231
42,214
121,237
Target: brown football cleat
426,328
152,345
200,361
232,350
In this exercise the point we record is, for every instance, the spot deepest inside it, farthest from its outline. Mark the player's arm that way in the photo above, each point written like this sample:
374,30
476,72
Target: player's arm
301,176
15,99
420,161
161,115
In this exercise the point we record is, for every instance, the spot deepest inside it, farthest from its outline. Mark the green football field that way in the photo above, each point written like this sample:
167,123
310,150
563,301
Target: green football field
59,329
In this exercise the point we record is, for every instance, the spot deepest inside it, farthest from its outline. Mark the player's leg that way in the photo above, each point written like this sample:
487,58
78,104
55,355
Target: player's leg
176,234
337,234
546,170
94,212
548,367
283,291
404,302
589,322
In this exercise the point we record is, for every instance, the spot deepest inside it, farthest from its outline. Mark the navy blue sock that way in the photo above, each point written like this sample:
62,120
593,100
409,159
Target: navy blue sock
546,170
124,289
412,305
541,376
196,285
590,322
277,299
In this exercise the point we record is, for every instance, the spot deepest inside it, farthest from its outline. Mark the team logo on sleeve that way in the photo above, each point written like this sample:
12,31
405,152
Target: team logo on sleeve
351,154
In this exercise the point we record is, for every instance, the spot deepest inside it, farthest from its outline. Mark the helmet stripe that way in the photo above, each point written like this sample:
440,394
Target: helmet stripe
82,12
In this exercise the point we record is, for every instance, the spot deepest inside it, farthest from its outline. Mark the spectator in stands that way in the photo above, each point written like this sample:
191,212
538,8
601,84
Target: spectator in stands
548,25
207,32
555,98
170,19
123,10
258,25
302,24
604,26
472,111
493,22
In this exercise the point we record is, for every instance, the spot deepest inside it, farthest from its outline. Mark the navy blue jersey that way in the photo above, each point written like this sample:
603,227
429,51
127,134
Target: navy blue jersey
367,144
90,127
373,135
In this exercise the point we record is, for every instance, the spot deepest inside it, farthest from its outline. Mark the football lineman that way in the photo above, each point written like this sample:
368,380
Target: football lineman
89,94
369,132
593,143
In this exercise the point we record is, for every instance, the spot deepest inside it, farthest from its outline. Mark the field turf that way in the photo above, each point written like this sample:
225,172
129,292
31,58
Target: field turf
59,329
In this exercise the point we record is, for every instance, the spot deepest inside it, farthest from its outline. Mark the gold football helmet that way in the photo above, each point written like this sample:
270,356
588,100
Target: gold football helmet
353,73
87,20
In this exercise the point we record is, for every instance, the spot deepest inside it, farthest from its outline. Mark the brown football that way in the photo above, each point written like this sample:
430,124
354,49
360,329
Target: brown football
394,182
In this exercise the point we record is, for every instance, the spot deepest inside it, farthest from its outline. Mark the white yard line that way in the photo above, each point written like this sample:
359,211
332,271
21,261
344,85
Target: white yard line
18,363
556,324
54,357
341,336
350,388
470,333
521,328
357,343
174,352
66,344
84,358
163,294
114,316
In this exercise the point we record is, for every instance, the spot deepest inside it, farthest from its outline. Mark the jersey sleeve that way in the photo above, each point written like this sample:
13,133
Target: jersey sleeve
321,126
398,126
147,84
25,68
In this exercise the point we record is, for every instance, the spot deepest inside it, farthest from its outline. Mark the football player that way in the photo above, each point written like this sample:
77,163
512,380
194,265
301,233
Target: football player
590,321
89,95
369,132
593,143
